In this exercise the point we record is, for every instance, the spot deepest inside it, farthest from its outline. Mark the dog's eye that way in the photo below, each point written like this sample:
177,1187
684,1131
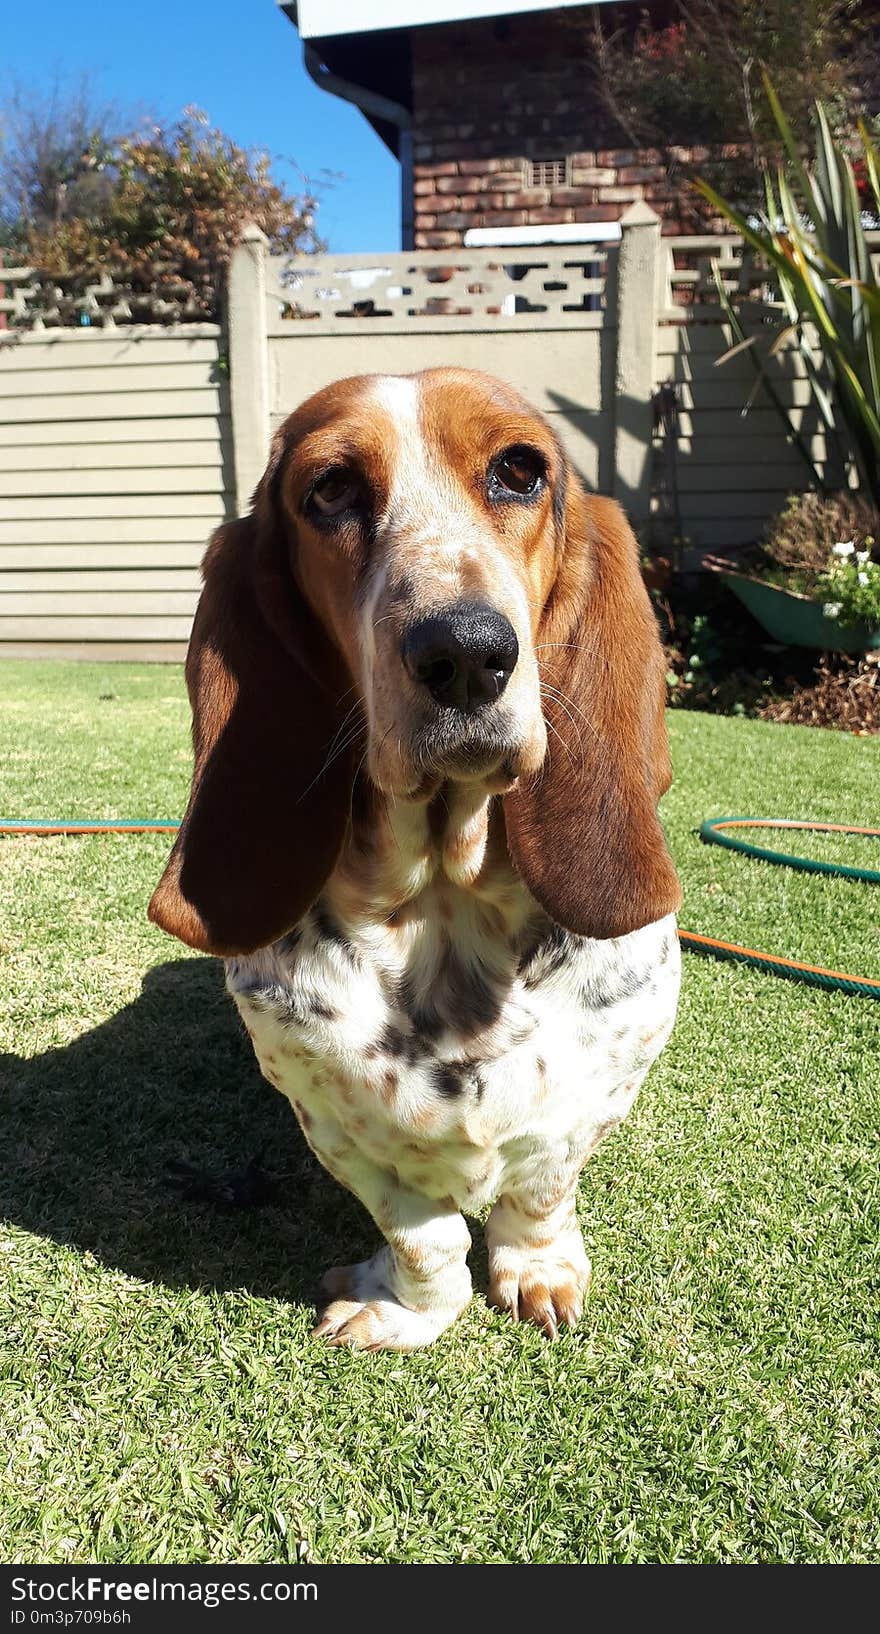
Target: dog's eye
336,491
518,471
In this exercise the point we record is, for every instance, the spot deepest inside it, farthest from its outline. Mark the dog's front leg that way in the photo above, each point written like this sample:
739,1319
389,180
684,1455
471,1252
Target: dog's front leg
413,1287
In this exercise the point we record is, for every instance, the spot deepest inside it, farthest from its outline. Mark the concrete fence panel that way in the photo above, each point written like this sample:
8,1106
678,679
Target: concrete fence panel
115,465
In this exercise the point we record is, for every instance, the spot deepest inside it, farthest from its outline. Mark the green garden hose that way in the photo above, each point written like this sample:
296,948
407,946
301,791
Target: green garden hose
711,832
835,981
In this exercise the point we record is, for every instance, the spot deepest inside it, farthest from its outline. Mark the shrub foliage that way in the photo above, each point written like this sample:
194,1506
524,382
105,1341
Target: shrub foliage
172,207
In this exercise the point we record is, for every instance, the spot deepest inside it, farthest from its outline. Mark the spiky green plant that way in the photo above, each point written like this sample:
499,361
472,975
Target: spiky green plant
814,238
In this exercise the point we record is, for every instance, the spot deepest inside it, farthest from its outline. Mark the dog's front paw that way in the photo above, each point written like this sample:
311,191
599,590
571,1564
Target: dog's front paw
364,1314
543,1286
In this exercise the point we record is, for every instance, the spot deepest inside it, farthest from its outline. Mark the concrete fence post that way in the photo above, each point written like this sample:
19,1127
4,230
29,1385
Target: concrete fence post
248,362
637,271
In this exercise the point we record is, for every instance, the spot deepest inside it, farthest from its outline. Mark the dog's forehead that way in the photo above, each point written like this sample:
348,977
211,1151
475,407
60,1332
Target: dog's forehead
436,412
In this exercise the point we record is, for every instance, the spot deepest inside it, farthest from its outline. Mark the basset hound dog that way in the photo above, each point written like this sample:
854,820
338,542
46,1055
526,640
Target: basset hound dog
427,691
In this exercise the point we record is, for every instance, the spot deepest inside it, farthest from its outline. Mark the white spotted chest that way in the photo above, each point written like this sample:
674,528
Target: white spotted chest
444,1029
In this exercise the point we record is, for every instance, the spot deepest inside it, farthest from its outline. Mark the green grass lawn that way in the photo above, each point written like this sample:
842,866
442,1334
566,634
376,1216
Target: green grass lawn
160,1396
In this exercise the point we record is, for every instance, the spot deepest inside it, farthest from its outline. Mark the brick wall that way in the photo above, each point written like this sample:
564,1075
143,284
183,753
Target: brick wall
490,98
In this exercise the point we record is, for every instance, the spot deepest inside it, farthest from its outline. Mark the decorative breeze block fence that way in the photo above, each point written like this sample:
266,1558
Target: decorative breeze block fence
29,300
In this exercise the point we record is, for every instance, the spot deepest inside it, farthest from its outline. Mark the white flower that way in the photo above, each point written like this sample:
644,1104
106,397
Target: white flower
863,556
844,547
831,609
863,578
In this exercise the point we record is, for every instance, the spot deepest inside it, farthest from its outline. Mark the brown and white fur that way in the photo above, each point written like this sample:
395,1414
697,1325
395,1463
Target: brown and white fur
449,929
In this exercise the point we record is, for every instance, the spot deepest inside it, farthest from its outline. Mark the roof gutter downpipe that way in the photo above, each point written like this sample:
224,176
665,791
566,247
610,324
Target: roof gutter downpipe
374,106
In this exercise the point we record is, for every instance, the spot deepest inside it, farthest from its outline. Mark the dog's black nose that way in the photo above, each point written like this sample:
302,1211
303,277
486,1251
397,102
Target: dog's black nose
465,655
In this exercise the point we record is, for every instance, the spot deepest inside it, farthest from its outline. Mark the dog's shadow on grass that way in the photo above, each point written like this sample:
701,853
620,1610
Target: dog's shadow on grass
94,1137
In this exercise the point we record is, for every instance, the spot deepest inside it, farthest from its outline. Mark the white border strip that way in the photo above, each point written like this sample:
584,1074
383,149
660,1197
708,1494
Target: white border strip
565,232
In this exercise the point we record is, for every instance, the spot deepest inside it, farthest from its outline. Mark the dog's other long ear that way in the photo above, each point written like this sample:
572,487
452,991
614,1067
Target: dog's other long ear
584,833
265,819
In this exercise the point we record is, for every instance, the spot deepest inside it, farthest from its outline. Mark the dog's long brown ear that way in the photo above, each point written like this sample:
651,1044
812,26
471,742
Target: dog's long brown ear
265,819
584,833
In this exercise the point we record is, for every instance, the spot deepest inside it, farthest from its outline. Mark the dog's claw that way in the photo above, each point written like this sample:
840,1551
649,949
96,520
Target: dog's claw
548,1296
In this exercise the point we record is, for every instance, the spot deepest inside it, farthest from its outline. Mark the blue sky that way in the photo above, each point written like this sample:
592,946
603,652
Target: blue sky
241,61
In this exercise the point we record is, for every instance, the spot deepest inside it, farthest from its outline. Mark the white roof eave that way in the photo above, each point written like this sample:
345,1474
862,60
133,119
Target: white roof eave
324,19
